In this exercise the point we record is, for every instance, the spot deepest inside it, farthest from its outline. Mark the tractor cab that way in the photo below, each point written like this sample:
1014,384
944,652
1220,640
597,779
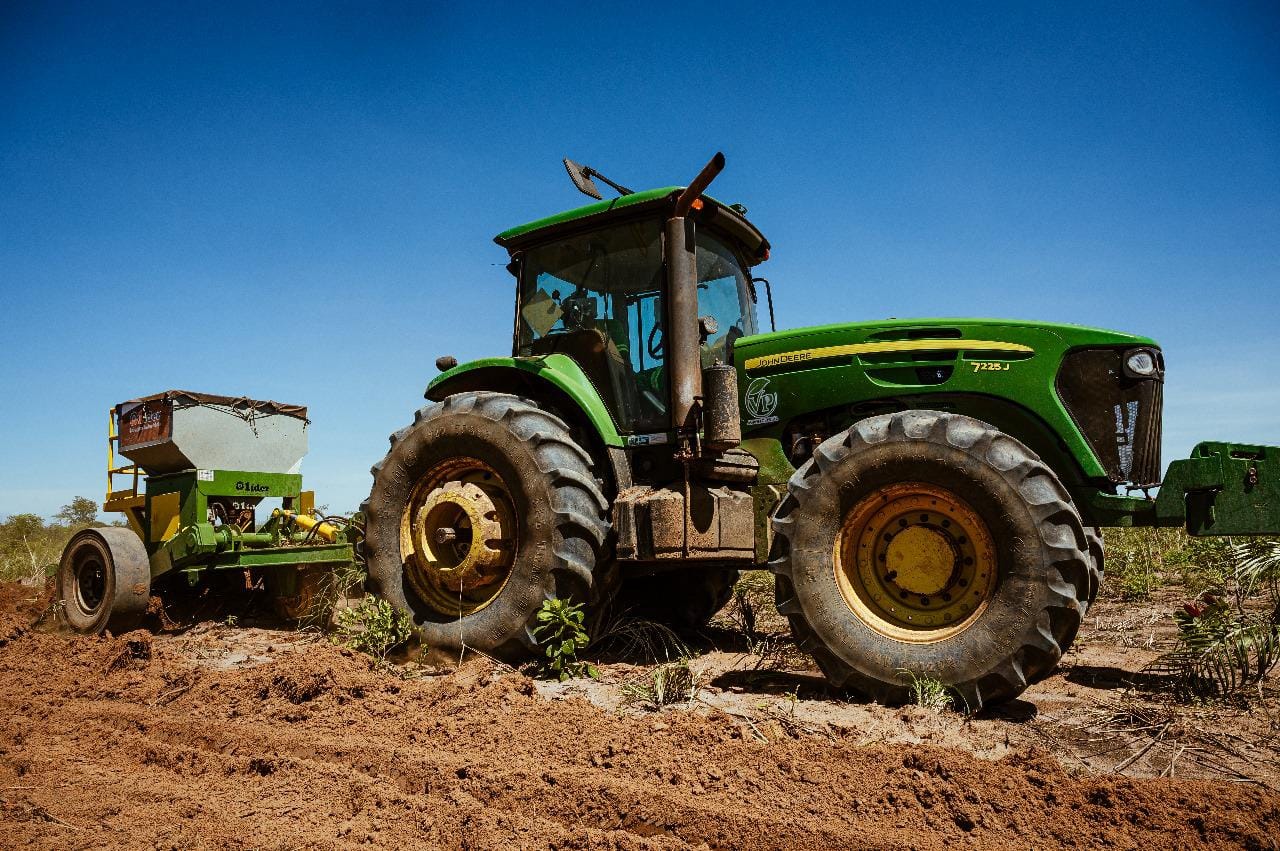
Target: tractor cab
594,285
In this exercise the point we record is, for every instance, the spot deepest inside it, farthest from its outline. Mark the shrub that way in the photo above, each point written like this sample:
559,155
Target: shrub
30,548
374,627
561,633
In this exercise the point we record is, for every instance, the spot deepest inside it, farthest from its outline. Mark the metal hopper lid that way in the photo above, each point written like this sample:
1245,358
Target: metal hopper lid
241,405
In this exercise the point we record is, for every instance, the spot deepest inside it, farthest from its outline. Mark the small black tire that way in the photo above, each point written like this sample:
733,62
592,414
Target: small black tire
104,581
1040,552
683,599
563,533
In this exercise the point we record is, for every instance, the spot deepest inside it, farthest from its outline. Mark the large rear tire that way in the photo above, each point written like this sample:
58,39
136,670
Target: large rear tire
928,544
483,509
104,580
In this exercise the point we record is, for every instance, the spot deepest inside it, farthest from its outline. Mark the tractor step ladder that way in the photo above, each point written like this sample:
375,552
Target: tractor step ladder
127,500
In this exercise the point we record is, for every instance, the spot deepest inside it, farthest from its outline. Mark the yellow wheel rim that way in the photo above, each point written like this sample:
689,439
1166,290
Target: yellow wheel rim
458,537
915,563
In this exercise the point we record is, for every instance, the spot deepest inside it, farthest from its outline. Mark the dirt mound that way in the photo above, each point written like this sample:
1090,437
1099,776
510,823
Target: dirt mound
124,742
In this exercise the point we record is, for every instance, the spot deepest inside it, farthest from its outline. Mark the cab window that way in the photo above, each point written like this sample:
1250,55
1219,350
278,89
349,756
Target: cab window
598,298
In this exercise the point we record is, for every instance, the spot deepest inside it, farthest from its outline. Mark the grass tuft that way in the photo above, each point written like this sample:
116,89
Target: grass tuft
663,685
929,692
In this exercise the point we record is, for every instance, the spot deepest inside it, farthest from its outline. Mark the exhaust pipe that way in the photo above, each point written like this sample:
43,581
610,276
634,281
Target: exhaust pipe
684,360
721,423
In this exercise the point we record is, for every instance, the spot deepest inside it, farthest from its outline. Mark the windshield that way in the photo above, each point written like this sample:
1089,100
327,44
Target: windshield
598,298
724,294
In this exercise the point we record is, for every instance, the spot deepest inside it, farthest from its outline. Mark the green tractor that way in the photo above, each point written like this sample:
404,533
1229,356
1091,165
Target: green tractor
927,492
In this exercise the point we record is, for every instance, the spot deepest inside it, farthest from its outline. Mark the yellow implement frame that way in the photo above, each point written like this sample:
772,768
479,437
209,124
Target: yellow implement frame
127,500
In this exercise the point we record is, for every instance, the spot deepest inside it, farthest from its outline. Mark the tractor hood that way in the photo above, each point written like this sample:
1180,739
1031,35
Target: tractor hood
777,350
1002,371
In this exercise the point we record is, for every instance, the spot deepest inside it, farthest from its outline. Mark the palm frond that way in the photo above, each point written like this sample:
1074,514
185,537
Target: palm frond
1219,662
1257,564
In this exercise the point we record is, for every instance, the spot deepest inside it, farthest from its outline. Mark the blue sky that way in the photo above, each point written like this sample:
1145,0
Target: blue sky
298,203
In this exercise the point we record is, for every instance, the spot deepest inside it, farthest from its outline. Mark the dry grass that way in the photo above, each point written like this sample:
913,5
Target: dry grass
1156,738
631,638
663,685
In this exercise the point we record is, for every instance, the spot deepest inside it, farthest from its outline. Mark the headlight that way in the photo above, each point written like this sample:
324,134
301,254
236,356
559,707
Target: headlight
1141,363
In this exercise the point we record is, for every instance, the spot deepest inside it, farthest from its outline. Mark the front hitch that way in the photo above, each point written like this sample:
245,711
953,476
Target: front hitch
1223,489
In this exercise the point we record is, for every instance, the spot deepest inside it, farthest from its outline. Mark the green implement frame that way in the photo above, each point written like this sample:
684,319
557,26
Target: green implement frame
171,514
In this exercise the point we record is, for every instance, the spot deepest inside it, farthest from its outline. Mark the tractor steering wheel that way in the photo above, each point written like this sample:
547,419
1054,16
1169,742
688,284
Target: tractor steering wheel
655,344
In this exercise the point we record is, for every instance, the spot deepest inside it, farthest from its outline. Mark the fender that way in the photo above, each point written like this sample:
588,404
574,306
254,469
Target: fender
532,377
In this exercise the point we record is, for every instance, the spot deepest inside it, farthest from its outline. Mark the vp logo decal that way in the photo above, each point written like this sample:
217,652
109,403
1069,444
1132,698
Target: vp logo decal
760,402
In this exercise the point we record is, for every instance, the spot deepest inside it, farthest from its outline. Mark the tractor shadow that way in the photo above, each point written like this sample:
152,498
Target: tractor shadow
1109,678
803,686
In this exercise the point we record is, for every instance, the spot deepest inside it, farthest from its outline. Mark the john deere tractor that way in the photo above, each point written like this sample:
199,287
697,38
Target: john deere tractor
927,492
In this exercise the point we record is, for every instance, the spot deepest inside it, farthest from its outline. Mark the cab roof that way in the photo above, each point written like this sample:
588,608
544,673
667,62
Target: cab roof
651,201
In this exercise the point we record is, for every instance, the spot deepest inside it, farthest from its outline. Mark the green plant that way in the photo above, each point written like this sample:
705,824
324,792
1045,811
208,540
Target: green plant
561,633
1220,653
665,684
1257,566
374,627
1225,647
928,692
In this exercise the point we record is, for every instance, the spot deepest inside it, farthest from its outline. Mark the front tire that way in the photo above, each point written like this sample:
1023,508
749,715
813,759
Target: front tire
1097,563
484,509
928,544
104,580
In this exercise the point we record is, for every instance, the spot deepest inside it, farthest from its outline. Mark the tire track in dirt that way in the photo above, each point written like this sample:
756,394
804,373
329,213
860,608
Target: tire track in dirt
569,796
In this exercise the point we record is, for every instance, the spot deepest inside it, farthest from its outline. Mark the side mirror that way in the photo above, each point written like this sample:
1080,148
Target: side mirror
768,291
578,174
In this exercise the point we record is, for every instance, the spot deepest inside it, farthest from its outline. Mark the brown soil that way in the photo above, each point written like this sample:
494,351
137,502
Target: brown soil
261,738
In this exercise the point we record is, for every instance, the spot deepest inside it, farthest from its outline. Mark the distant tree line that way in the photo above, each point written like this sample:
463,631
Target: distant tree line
30,546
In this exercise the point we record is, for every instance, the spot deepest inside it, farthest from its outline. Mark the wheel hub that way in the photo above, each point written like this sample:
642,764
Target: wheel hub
458,537
915,562
922,558
91,583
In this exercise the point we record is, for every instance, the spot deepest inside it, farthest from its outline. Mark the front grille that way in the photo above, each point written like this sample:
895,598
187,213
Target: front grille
1119,416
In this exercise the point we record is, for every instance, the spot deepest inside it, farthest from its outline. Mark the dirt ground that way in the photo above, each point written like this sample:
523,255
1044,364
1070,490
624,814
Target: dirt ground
253,736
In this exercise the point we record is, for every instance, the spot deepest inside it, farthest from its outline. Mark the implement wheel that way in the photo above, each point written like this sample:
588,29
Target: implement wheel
483,509
927,544
104,580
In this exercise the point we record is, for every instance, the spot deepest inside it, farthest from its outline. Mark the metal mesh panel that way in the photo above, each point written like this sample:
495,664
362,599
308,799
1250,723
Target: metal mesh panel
1118,415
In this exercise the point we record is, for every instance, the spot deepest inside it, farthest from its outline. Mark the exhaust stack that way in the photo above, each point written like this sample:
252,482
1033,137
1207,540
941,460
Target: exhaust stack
683,336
